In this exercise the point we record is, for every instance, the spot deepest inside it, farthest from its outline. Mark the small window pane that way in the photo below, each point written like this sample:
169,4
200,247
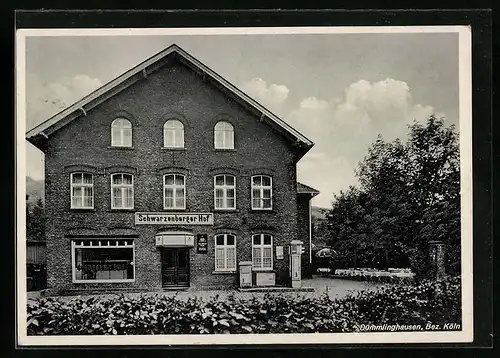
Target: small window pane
256,203
87,178
219,240
87,202
230,240
266,193
179,180
266,203
169,202
219,180
230,180
169,179
266,181
87,191
267,240
256,239
77,178
230,203
127,179
219,193
179,202
257,180
230,193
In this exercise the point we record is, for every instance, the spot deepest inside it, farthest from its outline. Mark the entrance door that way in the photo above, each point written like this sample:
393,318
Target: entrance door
175,267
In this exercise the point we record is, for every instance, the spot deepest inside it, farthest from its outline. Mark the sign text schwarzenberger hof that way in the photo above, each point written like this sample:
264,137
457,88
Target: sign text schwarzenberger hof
175,218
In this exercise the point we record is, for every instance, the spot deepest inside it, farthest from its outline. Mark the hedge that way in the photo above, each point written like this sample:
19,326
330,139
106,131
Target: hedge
428,302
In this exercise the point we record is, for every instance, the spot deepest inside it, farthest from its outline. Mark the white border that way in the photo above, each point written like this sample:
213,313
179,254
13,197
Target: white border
465,113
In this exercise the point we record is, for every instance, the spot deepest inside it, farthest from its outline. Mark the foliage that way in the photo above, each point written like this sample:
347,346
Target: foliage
435,302
409,194
35,221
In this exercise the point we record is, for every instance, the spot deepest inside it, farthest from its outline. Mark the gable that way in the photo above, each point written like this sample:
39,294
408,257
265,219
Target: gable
41,133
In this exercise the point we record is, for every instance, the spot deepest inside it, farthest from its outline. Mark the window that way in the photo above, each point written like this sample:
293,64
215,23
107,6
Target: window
173,134
121,133
225,252
262,252
225,191
82,191
103,260
224,135
174,191
122,191
262,192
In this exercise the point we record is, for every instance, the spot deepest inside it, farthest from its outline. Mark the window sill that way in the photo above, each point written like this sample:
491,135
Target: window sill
263,270
261,210
223,272
225,211
103,281
179,149
121,210
174,209
223,150
120,148
82,210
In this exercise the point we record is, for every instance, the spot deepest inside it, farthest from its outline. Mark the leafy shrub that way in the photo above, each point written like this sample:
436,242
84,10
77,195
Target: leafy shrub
435,302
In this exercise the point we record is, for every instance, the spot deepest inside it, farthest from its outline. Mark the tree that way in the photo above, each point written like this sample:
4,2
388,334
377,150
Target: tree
409,194
35,221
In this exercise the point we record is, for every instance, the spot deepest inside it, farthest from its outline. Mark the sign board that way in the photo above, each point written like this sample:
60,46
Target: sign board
170,240
174,218
202,243
279,252
265,278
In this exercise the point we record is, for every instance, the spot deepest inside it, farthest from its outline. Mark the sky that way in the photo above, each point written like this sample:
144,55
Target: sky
339,90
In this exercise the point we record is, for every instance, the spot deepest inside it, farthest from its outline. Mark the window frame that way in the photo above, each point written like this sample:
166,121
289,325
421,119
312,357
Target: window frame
224,188
74,246
261,189
81,185
174,187
224,132
225,248
261,246
122,188
174,130
122,129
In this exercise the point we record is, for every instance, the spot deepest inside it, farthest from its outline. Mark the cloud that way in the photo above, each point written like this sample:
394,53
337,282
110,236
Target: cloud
44,99
343,129
272,96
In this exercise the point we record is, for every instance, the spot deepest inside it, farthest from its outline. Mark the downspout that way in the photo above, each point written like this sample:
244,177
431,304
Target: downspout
310,232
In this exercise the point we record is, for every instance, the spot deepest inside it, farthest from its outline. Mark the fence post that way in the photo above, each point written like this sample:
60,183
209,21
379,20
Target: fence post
437,258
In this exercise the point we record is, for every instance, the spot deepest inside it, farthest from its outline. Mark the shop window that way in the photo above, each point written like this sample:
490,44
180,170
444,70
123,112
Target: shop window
173,134
225,252
122,191
103,260
262,191
224,135
82,191
225,192
174,191
262,252
121,133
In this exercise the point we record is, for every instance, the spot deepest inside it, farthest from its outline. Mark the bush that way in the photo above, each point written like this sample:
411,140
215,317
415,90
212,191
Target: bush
435,302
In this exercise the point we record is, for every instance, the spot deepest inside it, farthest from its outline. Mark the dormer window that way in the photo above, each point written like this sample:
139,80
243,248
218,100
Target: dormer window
121,133
224,135
173,134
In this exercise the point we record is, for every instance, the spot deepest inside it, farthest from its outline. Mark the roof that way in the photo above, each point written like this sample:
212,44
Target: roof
41,132
304,189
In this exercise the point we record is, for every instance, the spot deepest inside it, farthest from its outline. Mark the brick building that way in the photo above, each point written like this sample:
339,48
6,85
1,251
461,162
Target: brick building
168,176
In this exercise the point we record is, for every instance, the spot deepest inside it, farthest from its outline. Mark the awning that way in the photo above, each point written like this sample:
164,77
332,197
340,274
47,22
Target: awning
174,239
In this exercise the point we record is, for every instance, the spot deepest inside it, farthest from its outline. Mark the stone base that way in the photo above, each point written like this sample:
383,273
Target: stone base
277,289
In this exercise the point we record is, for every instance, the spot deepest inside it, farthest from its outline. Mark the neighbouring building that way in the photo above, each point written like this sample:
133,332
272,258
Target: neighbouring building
167,177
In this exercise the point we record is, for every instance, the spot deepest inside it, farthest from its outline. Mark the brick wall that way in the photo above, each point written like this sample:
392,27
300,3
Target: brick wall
172,92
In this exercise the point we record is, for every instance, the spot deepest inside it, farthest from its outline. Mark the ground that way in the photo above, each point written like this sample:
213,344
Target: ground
336,288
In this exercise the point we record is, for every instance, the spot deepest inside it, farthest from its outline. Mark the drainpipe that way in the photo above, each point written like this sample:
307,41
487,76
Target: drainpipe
310,233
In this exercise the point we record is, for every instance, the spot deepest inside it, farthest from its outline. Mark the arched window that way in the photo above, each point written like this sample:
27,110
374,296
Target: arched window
121,133
174,191
122,191
82,191
262,252
225,252
225,192
224,135
173,134
262,192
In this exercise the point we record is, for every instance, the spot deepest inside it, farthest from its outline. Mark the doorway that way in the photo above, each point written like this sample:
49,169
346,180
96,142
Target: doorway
175,267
